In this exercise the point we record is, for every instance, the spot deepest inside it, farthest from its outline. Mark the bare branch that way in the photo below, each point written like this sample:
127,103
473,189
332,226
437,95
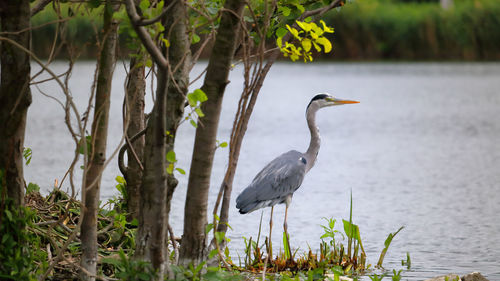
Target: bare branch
144,22
39,6
143,34
321,11
124,148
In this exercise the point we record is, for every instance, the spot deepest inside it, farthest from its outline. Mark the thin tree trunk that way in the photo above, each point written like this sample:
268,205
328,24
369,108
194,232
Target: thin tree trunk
15,94
237,135
136,88
152,231
195,213
99,138
179,55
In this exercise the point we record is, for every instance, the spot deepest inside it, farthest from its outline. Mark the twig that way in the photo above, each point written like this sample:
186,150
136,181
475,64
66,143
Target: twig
39,6
144,35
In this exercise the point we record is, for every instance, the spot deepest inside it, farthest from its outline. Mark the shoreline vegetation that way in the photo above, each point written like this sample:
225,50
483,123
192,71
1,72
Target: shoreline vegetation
51,221
364,30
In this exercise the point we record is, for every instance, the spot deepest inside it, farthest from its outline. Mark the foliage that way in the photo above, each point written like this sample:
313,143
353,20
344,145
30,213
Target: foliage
310,36
212,274
121,201
127,268
56,217
376,277
375,29
387,243
380,29
195,100
32,187
407,262
396,275
27,154
334,256
18,245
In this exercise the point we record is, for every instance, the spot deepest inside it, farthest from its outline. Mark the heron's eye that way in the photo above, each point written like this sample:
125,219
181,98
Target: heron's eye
303,160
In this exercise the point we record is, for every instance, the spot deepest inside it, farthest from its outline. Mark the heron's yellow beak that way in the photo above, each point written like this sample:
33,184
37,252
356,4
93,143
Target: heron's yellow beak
339,101
345,101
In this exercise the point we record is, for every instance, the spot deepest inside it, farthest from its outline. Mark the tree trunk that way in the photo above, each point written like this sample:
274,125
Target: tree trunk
179,56
15,94
195,212
237,135
136,88
152,231
98,150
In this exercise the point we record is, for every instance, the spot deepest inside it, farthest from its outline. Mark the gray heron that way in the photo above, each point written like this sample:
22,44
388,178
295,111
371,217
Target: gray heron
278,180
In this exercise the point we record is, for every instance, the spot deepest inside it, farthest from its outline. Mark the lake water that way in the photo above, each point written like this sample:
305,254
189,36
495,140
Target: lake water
421,150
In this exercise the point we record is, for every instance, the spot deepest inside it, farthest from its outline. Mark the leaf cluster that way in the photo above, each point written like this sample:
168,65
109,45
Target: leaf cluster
18,245
309,35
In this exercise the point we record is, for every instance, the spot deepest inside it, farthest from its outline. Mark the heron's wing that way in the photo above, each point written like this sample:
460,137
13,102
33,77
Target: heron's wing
280,178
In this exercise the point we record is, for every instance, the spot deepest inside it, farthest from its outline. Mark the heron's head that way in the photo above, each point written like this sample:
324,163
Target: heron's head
324,100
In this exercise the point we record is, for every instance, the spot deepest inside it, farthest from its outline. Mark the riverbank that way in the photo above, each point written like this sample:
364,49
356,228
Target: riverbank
364,30
53,237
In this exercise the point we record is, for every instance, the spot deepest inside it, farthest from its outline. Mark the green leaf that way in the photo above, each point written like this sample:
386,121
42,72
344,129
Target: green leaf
170,168
149,63
144,4
8,214
180,171
27,152
388,241
278,42
306,44
294,31
212,253
193,123
281,32
209,227
195,39
199,112
317,47
200,95
120,179
171,156
304,25
223,144
285,246
166,42
81,148
191,99
32,187
326,28
351,230
285,10
326,44
94,3
219,236
300,7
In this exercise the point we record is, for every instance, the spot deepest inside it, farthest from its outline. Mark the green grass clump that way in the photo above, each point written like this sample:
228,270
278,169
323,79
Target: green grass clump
335,257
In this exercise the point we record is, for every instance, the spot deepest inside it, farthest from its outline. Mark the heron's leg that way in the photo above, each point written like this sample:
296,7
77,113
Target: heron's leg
269,239
285,227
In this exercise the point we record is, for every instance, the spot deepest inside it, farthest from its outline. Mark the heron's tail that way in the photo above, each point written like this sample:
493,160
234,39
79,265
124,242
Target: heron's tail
245,202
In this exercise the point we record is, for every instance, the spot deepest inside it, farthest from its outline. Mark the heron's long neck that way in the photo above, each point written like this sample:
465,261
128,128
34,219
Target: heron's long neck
312,151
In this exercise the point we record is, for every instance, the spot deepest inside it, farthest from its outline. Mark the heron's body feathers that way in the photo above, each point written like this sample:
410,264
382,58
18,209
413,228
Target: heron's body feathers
278,180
